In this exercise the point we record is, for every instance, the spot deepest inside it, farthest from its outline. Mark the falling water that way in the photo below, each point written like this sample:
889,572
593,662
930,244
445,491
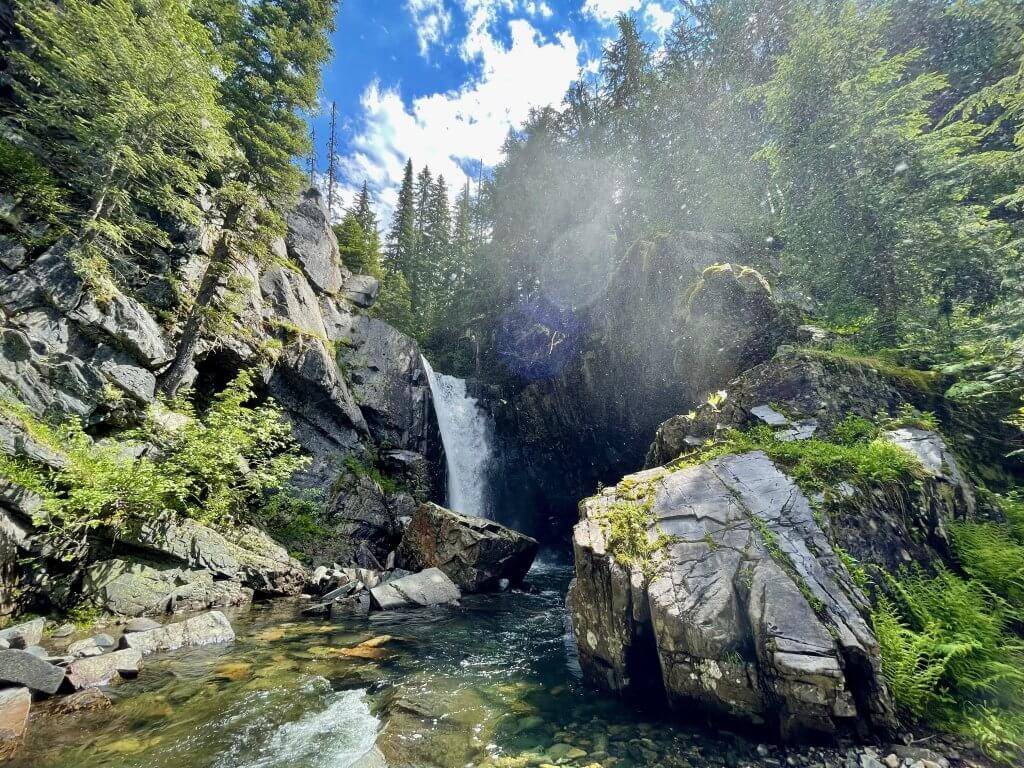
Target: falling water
466,434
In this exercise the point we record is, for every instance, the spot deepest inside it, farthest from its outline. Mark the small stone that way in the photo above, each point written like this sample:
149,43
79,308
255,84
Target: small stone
64,630
762,750
38,651
891,761
868,761
141,625
104,641
4,644
82,647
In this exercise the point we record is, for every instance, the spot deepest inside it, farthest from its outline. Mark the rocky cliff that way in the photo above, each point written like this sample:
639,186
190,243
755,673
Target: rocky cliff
352,386
591,386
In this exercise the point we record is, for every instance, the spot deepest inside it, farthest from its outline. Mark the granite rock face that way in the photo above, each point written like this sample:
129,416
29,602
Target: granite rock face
747,611
351,386
474,552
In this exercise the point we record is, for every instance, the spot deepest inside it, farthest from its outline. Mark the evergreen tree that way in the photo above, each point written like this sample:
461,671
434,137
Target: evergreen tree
359,248
364,210
401,241
122,161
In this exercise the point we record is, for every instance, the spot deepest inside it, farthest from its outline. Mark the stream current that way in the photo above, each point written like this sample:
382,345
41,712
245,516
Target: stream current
492,682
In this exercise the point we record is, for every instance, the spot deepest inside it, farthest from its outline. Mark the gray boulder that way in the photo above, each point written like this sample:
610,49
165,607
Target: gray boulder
426,588
15,704
474,552
207,628
361,290
746,605
23,669
100,670
24,635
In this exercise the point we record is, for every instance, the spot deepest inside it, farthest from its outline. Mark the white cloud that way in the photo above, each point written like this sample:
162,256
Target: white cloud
607,10
432,21
541,9
659,19
447,130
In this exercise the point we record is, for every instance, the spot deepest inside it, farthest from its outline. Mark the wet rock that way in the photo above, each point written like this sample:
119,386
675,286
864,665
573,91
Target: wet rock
88,673
20,668
428,587
750,612
357,605
15,704
474,552
212,627
24,635
87,700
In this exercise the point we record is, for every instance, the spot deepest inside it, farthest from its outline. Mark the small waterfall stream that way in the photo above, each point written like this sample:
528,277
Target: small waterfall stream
466,434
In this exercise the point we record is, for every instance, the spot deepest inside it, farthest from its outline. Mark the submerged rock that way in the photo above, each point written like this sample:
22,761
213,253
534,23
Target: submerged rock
474,552
429,587
745,611
212,627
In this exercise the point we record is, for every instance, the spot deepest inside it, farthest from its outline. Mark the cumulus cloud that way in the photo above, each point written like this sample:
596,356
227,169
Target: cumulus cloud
659,19
607,10
454,130
432,21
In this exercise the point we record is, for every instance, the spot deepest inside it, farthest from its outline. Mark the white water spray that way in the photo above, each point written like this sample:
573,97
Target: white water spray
466,434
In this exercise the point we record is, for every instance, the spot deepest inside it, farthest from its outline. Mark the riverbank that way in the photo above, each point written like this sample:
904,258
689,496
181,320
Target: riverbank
491,682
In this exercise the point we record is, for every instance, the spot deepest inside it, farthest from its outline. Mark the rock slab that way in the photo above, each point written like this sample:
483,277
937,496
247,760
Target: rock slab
24,635
474,552
212,627
24,669
426,588
100,670
15,704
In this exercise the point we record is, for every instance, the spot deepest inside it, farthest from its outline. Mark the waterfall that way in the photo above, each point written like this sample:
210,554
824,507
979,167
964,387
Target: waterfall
466,434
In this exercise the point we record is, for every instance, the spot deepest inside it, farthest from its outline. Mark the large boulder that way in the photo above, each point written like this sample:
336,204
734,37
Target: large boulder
474,552
245,554
743,610
100,670
24,635
127,588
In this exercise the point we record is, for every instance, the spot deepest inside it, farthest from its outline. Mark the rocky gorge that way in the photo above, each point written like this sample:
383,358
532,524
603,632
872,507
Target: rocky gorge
731,582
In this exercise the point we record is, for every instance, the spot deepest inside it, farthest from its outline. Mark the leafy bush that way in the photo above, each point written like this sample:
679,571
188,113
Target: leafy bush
214,468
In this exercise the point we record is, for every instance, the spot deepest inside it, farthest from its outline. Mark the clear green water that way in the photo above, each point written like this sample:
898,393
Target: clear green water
491,683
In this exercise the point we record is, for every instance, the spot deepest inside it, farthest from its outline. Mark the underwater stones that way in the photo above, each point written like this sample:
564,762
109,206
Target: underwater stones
21,668
474,552
15,704
212,627
429,587
746,609
86,700
100,670
24,635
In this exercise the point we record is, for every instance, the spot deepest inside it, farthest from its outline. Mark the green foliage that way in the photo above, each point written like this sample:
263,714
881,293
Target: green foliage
363,467
33,188
909,416
946,642
118,99
293,518
629,540
215,468
817,464
993,554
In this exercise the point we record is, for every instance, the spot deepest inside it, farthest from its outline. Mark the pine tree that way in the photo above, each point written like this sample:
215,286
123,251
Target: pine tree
401,240
125,159
418,273
364,210
359,248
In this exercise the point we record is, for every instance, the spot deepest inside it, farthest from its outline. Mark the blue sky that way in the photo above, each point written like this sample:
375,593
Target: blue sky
442,81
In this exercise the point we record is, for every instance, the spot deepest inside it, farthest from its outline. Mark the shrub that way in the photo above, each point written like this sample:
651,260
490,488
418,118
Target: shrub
216,468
